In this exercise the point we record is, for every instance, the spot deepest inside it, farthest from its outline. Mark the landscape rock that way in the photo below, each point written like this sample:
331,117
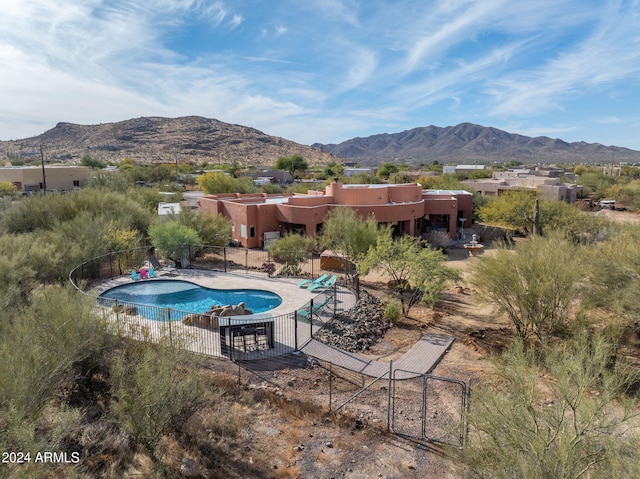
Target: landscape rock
359,328
210,318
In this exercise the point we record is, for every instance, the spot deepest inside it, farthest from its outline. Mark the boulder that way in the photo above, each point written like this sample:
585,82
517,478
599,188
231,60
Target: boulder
237,310
208,321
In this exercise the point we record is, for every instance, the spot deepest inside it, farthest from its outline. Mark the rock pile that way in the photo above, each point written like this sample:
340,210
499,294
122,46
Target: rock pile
359,328
210,318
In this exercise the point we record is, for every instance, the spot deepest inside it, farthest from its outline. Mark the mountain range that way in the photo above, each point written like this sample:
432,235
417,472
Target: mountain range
468,142
157,139
198,139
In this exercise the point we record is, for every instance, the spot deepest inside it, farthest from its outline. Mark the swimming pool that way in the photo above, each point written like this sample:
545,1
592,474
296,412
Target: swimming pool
185,297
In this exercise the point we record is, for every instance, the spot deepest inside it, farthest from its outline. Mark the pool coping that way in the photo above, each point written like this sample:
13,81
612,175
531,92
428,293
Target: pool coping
293,297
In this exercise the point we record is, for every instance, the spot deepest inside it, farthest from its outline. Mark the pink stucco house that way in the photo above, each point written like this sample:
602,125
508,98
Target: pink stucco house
257,218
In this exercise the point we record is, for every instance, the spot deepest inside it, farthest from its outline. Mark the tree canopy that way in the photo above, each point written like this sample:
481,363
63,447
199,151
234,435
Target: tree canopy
174,239
214,183
534,284
292,164
417,273
345,233
291,249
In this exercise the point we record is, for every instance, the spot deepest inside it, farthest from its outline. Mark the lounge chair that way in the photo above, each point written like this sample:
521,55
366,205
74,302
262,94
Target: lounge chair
157,266
135,276
309,311
151,273
317,288
153,260
305,283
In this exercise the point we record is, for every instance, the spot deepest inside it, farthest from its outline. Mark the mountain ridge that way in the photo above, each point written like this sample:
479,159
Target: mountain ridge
199,139
472,142
160,139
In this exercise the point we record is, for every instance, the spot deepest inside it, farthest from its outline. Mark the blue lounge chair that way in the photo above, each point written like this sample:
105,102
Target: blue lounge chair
305,283
308,311
319,287
135,276
151,273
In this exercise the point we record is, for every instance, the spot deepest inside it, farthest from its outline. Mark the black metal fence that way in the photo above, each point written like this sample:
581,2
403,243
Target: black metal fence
252,337
424,408
209,258
245,338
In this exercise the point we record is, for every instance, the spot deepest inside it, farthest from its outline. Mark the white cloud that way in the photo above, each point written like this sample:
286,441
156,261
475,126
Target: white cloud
599,61
321,68
361,67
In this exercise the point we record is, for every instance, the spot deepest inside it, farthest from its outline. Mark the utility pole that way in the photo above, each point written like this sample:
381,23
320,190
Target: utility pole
44,178
177,170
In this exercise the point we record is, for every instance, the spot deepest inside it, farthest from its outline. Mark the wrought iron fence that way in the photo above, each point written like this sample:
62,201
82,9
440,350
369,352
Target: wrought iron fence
209,258
251,337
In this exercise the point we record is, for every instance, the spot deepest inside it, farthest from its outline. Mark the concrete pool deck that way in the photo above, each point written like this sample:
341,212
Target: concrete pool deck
293,297
420,359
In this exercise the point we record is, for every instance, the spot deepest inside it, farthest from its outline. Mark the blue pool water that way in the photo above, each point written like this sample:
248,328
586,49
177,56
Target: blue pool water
186,297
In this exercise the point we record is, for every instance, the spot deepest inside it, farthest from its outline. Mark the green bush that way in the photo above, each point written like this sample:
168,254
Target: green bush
155,387
392,311
43,349
291,249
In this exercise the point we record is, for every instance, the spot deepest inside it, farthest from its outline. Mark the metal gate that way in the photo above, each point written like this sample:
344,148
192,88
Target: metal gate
429,408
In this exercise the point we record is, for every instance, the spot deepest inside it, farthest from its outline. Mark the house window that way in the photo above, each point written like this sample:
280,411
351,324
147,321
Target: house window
252,231
76,183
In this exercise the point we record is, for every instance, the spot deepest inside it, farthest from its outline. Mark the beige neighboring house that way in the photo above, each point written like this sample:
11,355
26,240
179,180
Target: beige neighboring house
548,187
57,177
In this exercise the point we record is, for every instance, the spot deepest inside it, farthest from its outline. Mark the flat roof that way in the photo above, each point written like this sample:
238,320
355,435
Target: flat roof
447,192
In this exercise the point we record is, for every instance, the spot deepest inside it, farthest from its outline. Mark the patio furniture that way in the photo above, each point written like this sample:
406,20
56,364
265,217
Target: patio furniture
305,283
318,288
151,273
309,311
135,276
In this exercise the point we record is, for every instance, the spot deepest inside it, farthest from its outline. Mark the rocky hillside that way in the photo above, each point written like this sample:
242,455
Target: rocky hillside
193,138
150,139
468,142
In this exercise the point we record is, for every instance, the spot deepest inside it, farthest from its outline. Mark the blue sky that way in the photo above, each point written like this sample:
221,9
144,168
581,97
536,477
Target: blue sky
326,70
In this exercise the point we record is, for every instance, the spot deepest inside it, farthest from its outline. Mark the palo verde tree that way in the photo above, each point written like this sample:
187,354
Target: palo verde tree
614,274
564,412
417,273
512,211
175,240
534,284
387,169
292,250
212,230
214,183
345,233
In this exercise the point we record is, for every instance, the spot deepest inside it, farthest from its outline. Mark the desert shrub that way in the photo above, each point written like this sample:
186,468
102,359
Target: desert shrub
44,212
43,349
528,285
175,240
212,230
155,387
291,249
392,311
560,412
17,278
8,189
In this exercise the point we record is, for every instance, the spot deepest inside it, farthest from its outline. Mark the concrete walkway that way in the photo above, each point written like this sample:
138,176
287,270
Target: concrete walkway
421,359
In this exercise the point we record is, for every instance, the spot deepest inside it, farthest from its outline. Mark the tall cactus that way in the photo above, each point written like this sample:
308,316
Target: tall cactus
536,219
